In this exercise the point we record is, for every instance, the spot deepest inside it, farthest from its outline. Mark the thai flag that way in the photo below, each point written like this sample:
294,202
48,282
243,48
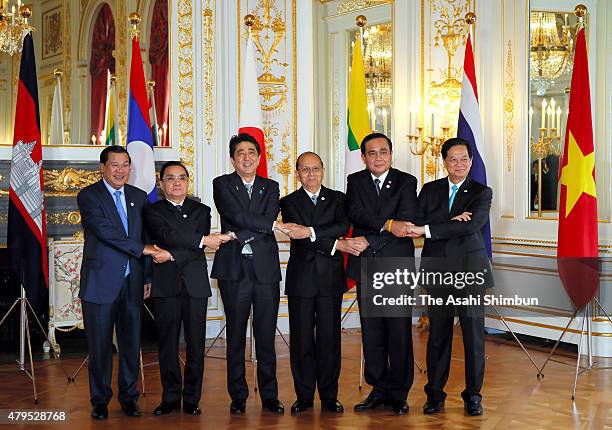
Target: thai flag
139,139
469,127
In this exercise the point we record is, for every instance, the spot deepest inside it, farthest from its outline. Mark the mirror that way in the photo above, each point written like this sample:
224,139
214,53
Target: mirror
89,64
552,37
378,67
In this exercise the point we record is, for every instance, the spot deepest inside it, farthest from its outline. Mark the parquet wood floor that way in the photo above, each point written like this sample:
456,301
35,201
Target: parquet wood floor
513,397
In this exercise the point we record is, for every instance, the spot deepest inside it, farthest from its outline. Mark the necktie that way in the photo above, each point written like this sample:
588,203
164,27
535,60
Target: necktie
314,199
178,208
124,221
246,249
377,183
452,197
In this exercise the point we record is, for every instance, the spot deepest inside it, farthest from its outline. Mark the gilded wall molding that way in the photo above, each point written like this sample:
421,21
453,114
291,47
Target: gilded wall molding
69,180
209,43
64,218
185,86
509,108
277,80
121,68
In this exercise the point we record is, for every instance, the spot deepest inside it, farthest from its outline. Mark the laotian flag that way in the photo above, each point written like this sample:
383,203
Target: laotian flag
250,121
139,138
470,129
27,232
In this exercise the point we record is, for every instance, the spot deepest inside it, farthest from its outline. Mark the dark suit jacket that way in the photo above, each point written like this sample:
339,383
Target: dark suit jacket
180,234
251,220
107,248
312,270
462,243
368,213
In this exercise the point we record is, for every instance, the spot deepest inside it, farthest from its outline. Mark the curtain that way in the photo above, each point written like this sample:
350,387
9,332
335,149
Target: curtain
102,46
158,57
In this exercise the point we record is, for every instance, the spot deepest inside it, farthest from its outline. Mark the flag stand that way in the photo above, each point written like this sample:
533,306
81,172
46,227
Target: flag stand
586,320
24,335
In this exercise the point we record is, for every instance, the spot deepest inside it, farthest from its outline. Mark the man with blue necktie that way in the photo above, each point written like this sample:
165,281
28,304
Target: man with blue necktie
452,212
113,279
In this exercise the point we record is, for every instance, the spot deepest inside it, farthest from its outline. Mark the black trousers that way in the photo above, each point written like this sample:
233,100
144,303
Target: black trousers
387,349
169,313
99,320
238,297
314,326
439,345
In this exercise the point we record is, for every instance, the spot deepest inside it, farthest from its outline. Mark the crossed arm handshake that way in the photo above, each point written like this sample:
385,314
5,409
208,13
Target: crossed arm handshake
408,229
212,241
351,245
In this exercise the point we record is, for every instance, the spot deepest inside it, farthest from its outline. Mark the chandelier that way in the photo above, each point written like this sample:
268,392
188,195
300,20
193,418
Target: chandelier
377,42
551,50
13,26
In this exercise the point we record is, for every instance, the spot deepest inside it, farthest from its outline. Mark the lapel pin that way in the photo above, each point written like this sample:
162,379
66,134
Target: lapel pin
465,191
388,186
236,187
131,203
184,215
389,181
322,198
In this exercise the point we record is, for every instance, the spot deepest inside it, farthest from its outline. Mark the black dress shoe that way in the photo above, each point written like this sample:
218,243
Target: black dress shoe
191,408
238,406
473,408
400,407
166,407
370,402
131,408
332,405
432,406
301,406
274,405
99,412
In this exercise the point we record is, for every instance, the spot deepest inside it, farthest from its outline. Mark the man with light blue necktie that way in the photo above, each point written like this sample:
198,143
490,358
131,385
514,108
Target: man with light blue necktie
113,279
451,214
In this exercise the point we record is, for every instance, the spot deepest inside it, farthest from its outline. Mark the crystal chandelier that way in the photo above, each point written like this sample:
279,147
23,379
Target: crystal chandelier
13,26
377,42
551,47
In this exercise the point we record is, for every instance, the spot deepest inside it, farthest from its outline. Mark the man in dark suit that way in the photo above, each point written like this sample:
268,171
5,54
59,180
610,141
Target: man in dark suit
315,219
382,206
452,213
180,287
248,270
112,278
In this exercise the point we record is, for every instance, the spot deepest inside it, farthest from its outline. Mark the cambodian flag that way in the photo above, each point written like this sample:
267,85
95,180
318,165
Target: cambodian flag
139,139
470,129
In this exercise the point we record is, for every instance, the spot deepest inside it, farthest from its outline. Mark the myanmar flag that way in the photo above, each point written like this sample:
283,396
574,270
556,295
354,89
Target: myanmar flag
110,123
577,243
357,116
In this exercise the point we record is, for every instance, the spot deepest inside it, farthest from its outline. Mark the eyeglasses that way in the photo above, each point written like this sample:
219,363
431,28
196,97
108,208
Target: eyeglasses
180,178
308,170
454,161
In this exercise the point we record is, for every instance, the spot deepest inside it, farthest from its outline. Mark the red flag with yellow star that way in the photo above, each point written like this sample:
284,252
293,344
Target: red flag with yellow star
577,243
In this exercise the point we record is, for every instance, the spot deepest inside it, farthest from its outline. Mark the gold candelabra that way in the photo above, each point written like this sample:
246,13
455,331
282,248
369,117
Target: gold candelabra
421,145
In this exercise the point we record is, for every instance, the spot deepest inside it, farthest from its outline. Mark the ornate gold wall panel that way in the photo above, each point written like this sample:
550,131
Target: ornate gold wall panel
185,86
509,107
276,57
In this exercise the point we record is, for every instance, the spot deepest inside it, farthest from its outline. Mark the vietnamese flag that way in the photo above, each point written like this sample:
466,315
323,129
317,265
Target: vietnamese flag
577,252
26,230
250,121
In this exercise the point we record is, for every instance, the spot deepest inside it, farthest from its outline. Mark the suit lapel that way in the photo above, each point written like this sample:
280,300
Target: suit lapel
109,201
257,192
322,202
131,211
306,205
370,188
238,187
463,195
387,187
